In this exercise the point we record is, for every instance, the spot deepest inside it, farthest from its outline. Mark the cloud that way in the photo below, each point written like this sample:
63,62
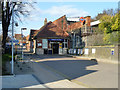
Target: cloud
68,10
35,13
38,14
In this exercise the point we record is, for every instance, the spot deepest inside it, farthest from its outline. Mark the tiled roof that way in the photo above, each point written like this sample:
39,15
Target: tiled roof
51,30
57,28
77,25
32,34
61,22
27,37
74,26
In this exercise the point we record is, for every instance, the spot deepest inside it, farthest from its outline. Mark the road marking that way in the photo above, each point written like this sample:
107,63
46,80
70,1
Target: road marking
67,77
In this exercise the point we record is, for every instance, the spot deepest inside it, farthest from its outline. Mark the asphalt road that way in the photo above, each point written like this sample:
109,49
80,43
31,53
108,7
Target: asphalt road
91,73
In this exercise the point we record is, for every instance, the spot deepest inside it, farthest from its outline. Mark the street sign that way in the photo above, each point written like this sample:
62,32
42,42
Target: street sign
14,41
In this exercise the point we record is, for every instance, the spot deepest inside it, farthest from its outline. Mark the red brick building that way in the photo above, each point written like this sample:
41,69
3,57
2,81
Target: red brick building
54,37
19,37
27,43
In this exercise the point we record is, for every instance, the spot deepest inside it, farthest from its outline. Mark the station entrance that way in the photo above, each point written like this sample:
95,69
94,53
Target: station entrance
55,47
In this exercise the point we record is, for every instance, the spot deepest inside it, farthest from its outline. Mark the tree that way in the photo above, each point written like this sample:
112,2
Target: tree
110,25
0,12
116,22
7,14
110,12
105,24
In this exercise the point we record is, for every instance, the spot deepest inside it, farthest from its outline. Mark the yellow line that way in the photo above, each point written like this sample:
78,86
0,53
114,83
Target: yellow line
80,83
70,79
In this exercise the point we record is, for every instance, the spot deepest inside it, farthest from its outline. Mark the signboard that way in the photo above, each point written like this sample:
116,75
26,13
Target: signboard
82,19
55,39
112,51
74,51
78,51
93,50
44,43
81,51
60,45
86,51
60,50
14,41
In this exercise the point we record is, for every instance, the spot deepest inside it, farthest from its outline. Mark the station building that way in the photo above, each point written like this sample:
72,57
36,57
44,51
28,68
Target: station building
50,38
58,36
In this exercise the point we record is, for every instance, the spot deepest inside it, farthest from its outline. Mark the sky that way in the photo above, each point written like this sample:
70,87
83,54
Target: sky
54,10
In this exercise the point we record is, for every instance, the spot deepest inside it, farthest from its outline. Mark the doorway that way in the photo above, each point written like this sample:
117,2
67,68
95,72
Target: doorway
55,47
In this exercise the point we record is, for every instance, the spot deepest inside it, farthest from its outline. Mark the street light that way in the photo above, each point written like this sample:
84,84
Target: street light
12,63
22,39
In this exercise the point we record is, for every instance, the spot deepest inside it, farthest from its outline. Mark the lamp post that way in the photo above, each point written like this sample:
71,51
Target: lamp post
22,39
12,63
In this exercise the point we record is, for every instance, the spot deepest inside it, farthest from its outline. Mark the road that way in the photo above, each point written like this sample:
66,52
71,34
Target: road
86,72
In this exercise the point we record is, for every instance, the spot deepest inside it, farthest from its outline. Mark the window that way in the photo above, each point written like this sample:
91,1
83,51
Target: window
65,45
77,41
62,45
65,40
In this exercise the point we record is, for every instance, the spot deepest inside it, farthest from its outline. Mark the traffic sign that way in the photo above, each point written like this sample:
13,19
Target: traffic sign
14,41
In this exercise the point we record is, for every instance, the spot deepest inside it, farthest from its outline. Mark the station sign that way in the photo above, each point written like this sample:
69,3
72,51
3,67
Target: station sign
55,39
82,19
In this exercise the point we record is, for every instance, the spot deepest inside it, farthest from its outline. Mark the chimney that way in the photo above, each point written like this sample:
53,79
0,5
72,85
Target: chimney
88,20
45,21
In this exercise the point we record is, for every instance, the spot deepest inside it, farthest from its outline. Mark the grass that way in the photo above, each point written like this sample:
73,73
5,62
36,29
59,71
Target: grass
5,58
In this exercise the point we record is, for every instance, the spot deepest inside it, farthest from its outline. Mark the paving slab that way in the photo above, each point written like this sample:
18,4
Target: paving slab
19,81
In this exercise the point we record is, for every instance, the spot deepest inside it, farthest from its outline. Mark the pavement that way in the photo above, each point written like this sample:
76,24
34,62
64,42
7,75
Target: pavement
20,81
89,58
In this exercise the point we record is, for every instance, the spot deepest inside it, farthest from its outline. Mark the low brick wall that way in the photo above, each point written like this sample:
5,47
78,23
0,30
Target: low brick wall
39,51
109,53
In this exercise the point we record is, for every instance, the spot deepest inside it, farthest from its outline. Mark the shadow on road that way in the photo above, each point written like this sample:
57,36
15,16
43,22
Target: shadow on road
71,68
67,66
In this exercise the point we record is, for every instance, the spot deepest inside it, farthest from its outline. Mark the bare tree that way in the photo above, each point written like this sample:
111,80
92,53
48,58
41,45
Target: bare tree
19,9
0,12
